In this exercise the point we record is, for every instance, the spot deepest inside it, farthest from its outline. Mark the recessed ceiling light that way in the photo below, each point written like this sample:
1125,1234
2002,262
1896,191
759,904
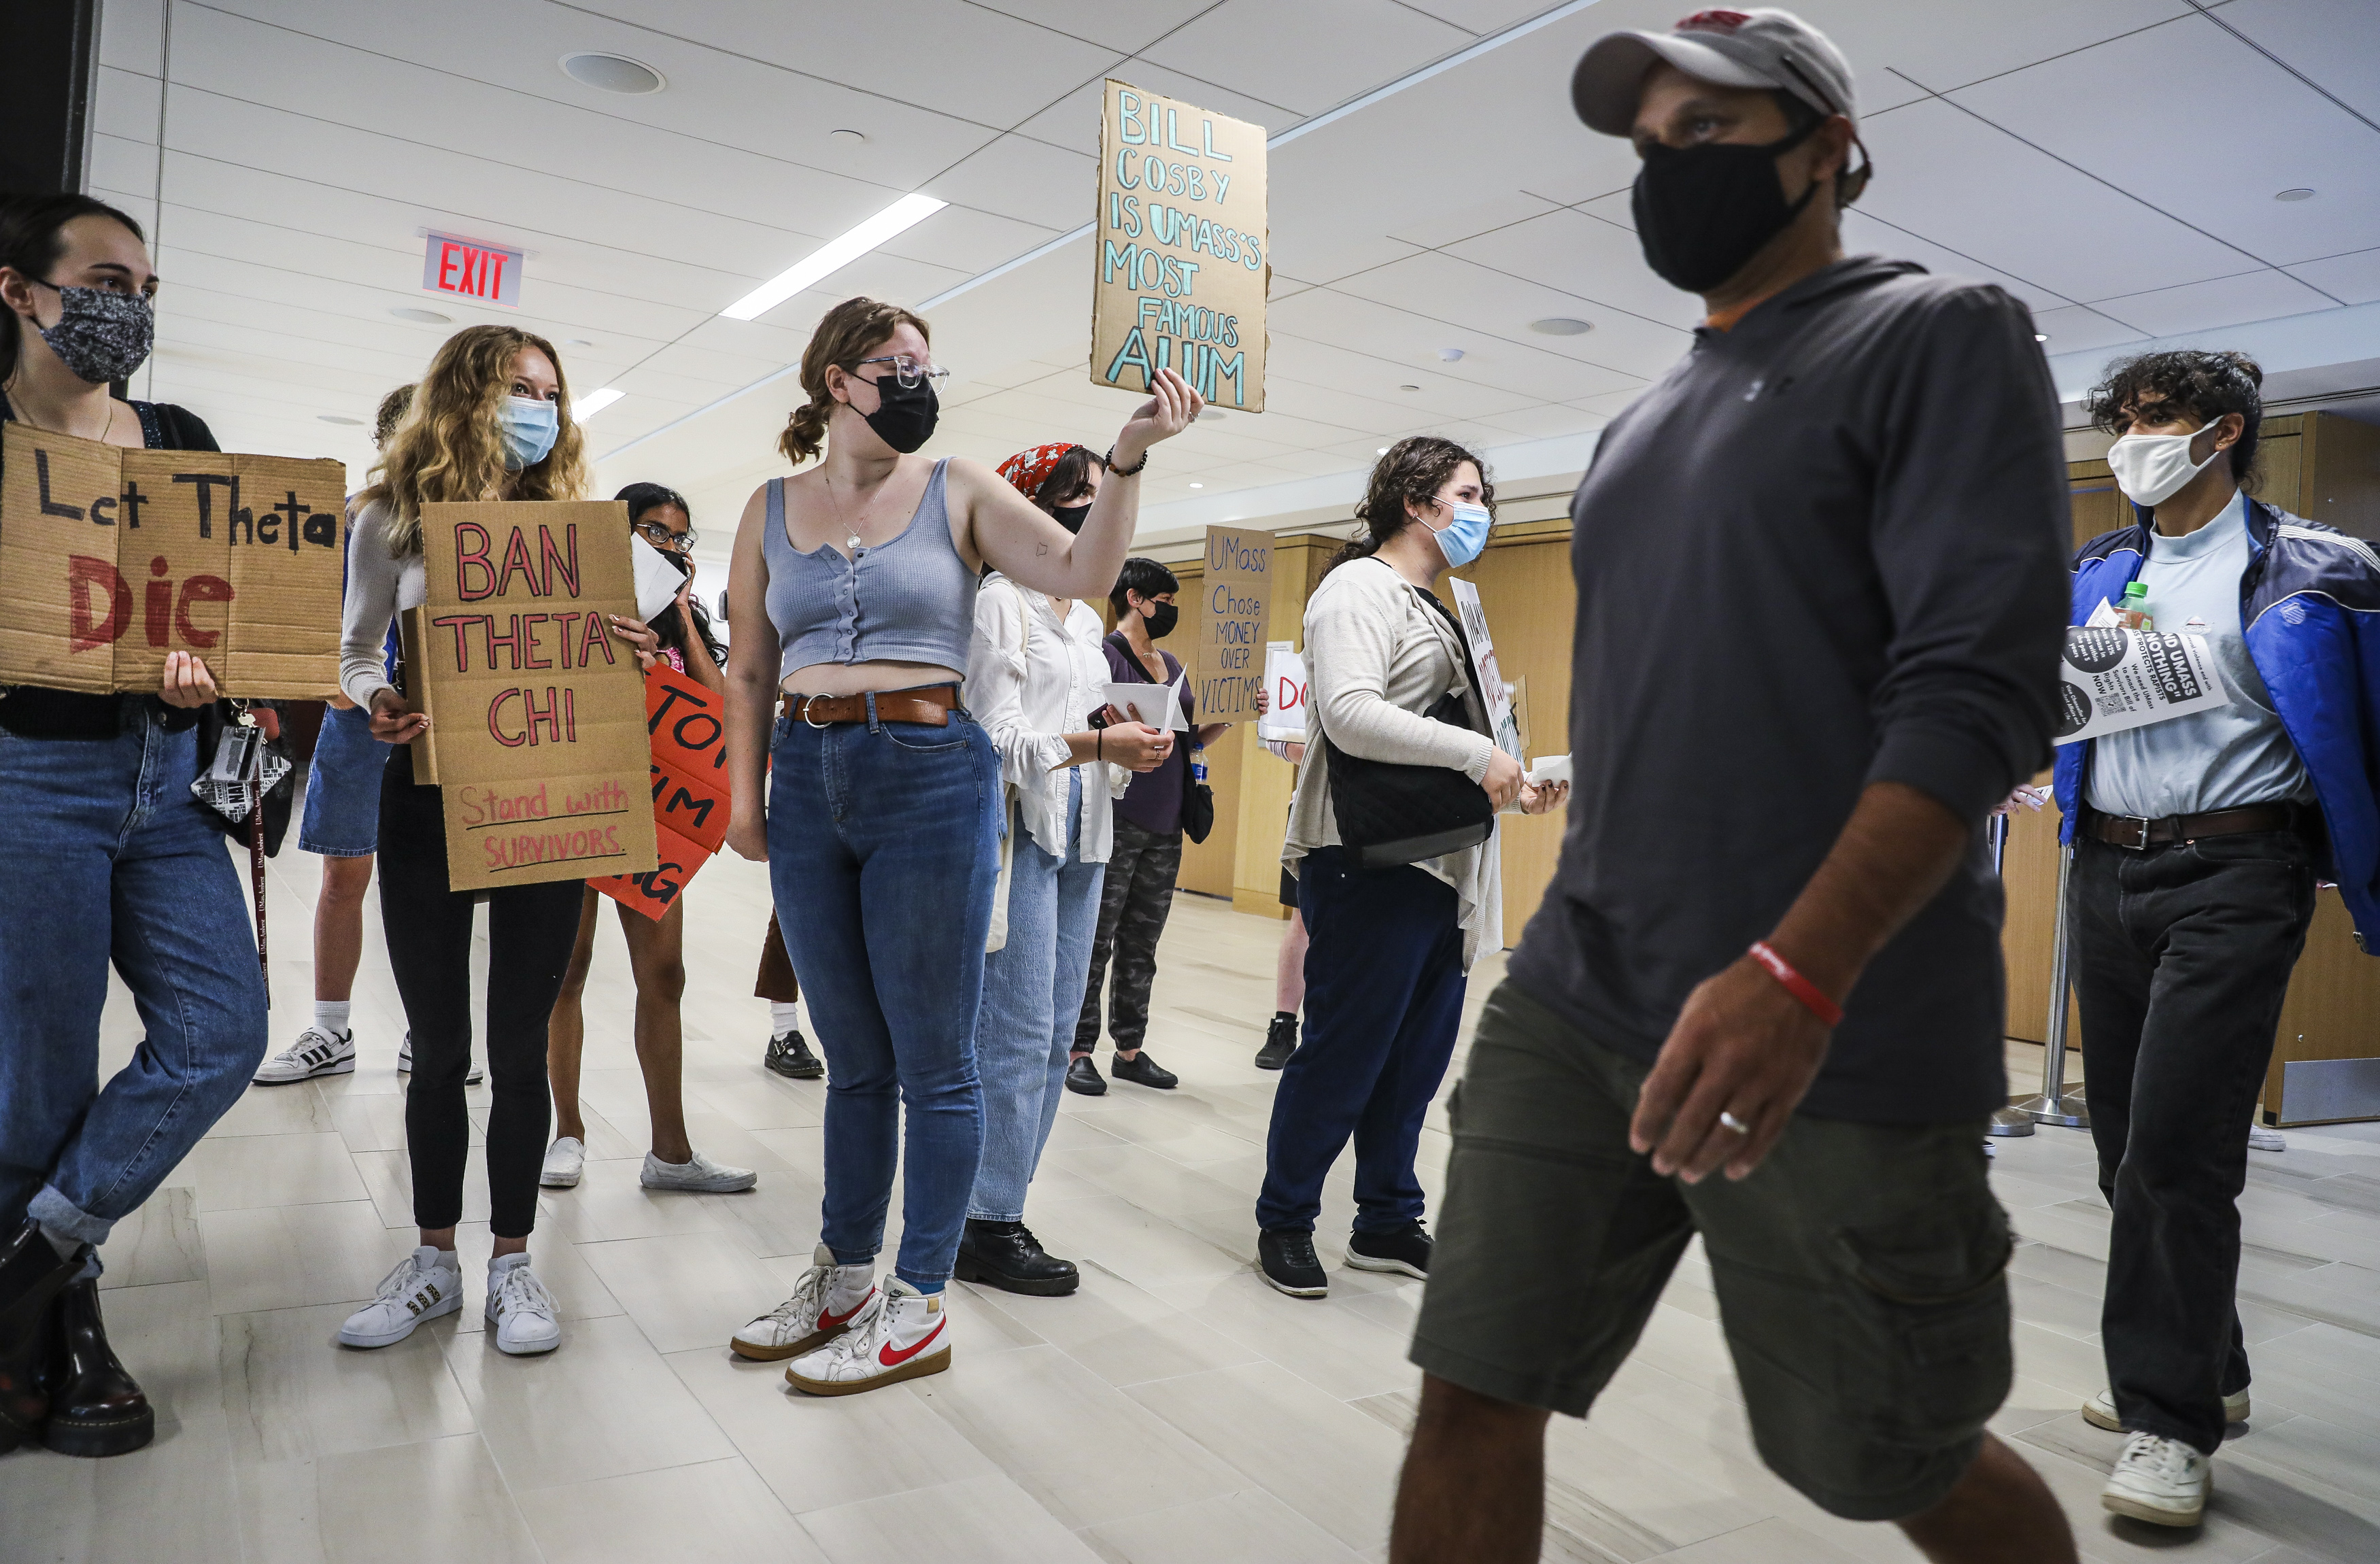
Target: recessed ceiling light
1450,355
833,256
853,138
1408,387
2302,193
2041,337
578,341
337,418
613,73
1381,452
427,317
594,402
1197,486
1561,325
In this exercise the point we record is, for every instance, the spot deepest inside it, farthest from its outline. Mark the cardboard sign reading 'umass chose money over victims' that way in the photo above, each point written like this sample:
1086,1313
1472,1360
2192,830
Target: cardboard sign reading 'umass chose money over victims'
537,711
111,558
1232,600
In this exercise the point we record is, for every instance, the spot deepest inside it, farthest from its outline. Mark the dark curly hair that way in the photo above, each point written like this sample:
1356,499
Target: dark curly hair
2202,386
1414,469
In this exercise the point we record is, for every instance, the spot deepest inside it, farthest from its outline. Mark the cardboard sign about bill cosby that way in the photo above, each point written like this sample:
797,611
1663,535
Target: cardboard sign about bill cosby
1179,246
2111,679
537,711
111,558
1232,600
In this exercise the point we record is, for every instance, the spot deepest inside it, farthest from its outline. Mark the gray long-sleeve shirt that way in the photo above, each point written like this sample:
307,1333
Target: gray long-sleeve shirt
1826,549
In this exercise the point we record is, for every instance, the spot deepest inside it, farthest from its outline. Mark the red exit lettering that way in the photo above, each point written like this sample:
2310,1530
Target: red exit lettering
467,269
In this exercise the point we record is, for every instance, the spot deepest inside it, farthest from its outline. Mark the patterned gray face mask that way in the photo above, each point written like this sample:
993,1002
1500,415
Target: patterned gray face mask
101,336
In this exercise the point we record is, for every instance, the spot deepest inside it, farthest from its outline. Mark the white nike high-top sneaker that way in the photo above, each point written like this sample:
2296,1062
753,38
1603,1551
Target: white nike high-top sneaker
902,1334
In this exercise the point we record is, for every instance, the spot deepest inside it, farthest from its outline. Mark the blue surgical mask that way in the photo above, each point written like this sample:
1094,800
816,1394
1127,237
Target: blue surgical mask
1461,540
531,426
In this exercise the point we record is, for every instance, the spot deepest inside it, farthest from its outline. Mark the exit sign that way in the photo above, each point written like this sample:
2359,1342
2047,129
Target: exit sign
472,269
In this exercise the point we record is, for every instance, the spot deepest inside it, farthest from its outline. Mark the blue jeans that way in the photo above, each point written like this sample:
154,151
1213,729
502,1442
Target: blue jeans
1383,1001
113,860
1032,993
342,816
883,851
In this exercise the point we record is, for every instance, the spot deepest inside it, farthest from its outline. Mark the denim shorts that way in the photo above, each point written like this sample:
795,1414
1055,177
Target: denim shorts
343,787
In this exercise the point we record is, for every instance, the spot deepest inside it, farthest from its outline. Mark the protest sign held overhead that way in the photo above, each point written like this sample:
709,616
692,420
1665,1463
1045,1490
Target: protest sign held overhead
1232,600
537,711
1180,245
111,558
690,787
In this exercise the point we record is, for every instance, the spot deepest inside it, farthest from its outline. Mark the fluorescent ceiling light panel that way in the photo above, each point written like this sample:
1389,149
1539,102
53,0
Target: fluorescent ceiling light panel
595,402
833,256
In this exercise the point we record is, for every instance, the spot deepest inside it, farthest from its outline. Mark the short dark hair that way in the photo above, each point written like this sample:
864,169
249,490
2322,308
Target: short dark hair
642,497
393,408
1143,576
33,237
1069,476
2203,385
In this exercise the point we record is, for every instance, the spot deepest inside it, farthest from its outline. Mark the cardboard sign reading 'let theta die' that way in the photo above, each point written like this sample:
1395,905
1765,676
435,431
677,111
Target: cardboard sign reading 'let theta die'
1179,247
111,558
537,709
688,725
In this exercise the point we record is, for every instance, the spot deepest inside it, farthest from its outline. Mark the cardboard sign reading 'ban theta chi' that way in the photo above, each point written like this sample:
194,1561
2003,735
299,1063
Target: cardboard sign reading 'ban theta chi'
111,558
537,711
1180,251
688,732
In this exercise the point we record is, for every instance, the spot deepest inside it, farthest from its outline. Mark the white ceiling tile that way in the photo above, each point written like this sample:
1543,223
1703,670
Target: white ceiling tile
126,105
119,163
2336,42
1122,28
2075,329
1441,389
1435,228
1949,46
1309,55
2226,301
2354,278
1481,17
2089,107
1073,122
132,35
1030,180
1863,232
1460,293
1586,258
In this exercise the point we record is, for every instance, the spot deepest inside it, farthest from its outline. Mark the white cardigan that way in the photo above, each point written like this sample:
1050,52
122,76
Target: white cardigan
1377,657
1031,679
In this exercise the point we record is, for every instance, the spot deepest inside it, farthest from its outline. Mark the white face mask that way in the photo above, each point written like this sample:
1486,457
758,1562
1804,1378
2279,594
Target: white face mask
2152,469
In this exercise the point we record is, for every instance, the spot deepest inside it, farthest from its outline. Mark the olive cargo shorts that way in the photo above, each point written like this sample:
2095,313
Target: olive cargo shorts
1859,1270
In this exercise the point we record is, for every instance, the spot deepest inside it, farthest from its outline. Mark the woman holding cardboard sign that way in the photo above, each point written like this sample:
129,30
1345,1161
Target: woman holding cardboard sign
490,421
111,858
875,798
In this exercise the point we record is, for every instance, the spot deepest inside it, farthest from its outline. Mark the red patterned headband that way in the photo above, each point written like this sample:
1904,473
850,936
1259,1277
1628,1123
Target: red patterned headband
1030,469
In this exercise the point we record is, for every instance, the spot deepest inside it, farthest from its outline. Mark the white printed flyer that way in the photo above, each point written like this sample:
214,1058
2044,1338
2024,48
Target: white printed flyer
2113,680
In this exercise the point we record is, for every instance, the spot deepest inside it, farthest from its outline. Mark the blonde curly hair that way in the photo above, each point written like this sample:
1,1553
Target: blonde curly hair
846,335
449,445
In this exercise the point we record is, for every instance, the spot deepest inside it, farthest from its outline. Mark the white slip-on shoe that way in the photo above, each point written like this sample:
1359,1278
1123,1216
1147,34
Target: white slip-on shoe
565,1159
425,1284
316,1052
405,1063
2099,1411
2161,1481
520,1313
2260,1138
698,1174
902,1334
825,1302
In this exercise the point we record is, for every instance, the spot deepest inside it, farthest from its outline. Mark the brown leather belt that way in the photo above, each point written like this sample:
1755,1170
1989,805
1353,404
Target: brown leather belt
927,704
2131,831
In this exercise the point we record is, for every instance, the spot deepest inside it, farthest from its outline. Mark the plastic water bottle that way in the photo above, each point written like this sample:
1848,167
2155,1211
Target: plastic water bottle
2134,612
1197,762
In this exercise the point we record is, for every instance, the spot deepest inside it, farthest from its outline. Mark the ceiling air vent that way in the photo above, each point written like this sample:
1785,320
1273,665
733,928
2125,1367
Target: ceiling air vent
613,73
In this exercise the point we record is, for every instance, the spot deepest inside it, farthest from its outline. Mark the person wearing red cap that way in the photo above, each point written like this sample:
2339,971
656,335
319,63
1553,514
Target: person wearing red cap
1820,606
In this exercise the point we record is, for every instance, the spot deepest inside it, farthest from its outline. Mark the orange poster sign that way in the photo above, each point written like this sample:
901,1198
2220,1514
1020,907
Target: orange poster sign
690,787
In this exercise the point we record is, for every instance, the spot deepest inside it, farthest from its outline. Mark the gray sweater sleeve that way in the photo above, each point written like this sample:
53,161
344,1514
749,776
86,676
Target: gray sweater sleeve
1369,659
375,580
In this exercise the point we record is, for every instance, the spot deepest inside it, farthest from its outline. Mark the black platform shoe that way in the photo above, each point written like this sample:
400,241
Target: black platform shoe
790,1056
31,1276
1007,1256
96,1409
1280,1041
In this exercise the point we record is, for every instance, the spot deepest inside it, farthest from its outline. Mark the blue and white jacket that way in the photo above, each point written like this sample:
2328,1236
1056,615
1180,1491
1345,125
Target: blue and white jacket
2310,611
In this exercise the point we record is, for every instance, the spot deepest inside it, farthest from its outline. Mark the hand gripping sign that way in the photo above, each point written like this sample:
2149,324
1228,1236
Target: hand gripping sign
111,558
690,793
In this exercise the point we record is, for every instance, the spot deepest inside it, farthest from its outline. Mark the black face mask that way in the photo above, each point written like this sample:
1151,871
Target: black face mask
1161,619
1703,212
1071,516
905,416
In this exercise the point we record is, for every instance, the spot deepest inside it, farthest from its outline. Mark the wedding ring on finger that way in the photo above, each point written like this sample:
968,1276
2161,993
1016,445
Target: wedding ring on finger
1729,1120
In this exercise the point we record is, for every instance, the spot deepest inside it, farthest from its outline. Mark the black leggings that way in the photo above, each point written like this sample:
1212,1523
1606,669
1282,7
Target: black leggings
531,930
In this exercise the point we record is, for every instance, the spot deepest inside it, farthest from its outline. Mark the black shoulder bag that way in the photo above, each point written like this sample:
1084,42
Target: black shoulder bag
1390,814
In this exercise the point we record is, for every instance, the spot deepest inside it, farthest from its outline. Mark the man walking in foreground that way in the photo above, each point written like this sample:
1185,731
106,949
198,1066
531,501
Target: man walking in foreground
1820,594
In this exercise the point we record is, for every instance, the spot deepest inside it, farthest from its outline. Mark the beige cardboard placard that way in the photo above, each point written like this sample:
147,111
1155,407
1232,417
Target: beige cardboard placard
111,558
541,751
1233,597
1179,248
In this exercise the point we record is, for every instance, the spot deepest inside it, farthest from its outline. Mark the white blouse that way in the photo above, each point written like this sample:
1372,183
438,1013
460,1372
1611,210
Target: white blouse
1031,679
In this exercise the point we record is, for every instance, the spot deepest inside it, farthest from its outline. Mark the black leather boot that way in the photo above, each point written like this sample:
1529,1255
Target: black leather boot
95,1407
1007,1256
1280,1041
31,1277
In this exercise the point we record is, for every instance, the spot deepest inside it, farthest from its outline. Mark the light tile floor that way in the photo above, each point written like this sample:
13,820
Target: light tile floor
1175,1412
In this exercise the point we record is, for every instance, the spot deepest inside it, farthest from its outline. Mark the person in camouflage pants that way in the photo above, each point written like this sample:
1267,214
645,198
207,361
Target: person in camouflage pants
1134,903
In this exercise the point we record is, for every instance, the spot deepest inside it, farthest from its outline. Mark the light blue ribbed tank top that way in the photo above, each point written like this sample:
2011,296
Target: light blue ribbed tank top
911,599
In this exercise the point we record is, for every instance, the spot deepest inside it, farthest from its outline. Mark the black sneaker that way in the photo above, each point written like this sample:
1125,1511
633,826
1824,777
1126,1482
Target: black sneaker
1083,1076
1288,1263
789,1056
1143,1071
1007,1256
1280,1041
1404,1251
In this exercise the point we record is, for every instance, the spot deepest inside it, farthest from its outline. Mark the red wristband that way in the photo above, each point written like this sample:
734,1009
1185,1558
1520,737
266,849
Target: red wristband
1812,998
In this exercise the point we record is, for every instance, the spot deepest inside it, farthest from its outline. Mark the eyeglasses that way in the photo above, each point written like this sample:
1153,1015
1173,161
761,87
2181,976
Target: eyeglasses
661,536
908,371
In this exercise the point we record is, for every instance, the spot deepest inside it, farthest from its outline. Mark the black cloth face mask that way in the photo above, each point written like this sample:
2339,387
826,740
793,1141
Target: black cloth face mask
1703,212
1162,617
905,416
1071,516
101,336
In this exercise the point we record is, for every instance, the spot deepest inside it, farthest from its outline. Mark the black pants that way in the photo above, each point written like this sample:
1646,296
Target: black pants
530,931
2181,957
1135,900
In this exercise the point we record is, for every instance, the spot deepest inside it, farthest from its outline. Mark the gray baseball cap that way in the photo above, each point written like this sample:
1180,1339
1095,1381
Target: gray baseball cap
1764,47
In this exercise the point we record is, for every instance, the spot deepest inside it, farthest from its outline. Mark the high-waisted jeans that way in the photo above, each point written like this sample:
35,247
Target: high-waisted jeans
113,860
1032,993
883,853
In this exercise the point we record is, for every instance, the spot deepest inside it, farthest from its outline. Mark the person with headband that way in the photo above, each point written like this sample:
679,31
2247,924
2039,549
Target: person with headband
874,795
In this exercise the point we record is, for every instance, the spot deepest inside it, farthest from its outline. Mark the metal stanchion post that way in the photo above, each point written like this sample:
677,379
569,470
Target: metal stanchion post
2011,1120
2056,1105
